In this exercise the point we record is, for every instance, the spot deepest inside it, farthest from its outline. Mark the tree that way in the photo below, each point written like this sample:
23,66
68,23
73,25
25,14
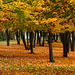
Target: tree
53,16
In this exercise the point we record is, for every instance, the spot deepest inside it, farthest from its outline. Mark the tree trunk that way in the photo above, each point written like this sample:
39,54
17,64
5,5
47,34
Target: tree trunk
43,38
27,41
23,39
34,40
70,38
39,40
54,37
37,37
72,43
31,42
64,46
67,41
7,37
40,35
61,37
18,37
50,48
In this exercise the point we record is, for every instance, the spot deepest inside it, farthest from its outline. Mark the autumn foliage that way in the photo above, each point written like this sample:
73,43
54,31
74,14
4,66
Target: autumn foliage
37,16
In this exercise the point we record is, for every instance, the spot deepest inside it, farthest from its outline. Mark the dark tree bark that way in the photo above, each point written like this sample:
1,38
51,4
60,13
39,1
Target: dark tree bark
70,38
37,37
61,37
27,41
34,39
72,43
67,41
46,36
39,40
40,35
7,37
64,45
18,37
50,48
43,38
31,42
23,39
54,37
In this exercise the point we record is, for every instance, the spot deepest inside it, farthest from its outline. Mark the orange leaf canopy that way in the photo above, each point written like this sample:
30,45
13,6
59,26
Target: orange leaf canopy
2,19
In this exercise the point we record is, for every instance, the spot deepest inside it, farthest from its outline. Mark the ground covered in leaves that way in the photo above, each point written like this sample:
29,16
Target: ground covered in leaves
14,59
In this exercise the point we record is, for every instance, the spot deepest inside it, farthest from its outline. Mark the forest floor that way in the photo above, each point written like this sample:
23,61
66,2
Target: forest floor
14,59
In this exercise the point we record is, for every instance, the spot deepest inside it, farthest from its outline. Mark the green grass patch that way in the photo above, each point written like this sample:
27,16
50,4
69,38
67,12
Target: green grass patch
37,70
10,41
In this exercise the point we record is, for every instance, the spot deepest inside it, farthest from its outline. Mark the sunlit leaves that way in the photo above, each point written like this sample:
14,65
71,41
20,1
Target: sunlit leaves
2,19
1,1
72,1
49,20
38,14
